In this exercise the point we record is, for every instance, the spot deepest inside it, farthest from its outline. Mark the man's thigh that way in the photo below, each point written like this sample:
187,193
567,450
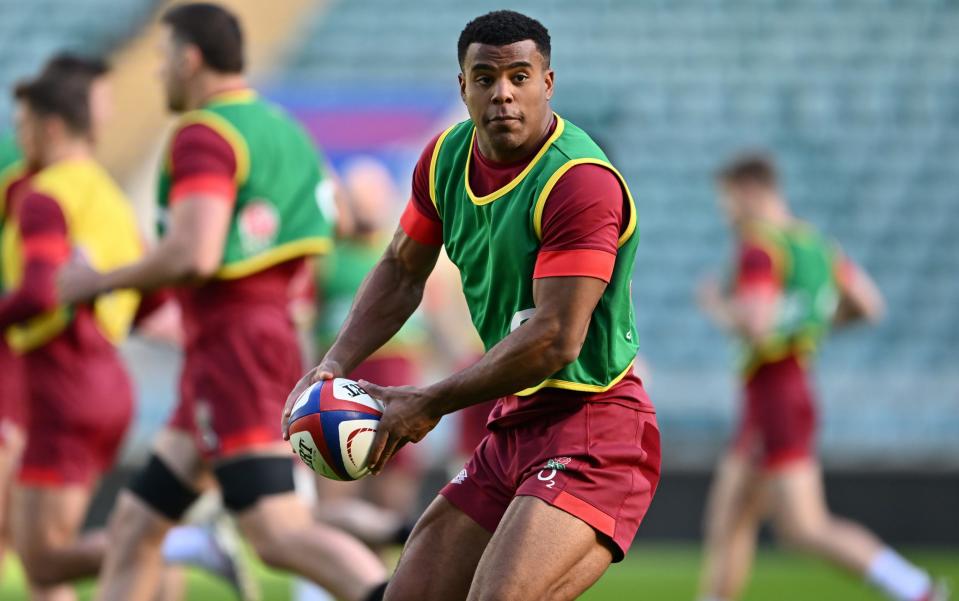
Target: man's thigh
540,553
440,557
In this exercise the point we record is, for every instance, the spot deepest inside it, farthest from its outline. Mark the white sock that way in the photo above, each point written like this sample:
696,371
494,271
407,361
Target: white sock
304,590
195,546
895,576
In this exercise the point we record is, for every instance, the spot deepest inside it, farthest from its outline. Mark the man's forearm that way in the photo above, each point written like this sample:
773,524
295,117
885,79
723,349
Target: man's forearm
166,265
526,357
386,299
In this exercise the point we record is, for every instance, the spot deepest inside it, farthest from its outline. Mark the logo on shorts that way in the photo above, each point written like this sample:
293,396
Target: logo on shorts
460,477
203,417
548,473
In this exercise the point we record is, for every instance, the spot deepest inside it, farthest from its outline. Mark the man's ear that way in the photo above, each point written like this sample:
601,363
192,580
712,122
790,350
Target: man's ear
462,79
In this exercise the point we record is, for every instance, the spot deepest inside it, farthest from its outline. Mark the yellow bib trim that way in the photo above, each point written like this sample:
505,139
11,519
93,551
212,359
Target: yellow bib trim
433,159
229,133
551,183
275,256
565,385
240,96
482,200
7,177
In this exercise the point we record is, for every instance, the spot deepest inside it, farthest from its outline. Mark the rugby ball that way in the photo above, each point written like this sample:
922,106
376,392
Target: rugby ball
332,425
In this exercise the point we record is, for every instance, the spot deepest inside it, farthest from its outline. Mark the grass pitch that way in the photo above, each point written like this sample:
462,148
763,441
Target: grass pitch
650,573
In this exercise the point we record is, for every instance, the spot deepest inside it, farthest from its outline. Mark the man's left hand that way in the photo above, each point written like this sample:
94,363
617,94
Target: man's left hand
407,418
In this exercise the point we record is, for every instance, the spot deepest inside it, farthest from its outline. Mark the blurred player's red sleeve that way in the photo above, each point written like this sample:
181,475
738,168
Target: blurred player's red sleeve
43,231
582,221
756,271
201,162
420,221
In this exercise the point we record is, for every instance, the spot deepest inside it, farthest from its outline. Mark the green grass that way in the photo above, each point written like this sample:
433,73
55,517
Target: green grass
654,573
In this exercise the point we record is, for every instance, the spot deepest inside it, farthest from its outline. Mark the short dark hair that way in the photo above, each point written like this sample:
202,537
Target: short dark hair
67,64
501,28
211,28
66,97
753,168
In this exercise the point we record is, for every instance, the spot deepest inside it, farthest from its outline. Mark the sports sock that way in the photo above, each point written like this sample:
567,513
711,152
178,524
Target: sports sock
304,590
195,546
894,575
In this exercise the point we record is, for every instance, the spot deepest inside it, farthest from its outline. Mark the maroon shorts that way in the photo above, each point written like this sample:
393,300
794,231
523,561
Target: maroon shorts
235,381
12,392
778,424
598,462
80,405
473,425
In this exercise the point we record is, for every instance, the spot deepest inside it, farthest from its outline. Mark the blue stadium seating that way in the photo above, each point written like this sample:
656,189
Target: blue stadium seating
31,31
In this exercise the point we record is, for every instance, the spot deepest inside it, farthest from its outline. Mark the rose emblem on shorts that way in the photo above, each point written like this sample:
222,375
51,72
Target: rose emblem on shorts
558,463
259,224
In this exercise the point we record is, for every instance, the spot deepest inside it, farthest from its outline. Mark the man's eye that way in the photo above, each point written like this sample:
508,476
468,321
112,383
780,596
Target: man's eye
483,81
521,77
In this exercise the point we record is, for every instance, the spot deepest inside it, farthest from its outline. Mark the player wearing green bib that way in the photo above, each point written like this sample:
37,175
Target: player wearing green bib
240,214
790,285
543,230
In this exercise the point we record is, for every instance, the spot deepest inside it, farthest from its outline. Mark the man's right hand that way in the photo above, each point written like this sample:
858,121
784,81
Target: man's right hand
327,370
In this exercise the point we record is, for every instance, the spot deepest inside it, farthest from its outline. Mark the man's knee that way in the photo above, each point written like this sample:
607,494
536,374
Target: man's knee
135,525
803,535
270,542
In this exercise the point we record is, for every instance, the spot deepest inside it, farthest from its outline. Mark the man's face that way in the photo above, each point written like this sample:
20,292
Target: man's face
29,135
174,70
742,202
507,91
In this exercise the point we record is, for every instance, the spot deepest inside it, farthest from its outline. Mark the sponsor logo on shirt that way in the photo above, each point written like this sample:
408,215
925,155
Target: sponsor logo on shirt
460,477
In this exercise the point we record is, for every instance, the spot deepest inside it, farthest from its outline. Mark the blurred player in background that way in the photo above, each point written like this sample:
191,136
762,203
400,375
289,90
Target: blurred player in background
203,546
12,174
78,393
790,285
12,387
542,229
369,187
376,510
238,191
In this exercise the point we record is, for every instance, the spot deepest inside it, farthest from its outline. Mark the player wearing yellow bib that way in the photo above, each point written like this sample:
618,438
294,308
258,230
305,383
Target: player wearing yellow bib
78,393
543,231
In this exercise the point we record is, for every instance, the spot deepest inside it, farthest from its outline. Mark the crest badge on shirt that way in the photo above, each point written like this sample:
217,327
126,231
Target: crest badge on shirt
259,224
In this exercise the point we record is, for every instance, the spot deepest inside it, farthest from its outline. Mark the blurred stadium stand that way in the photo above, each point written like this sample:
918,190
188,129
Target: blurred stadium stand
857,100
30,32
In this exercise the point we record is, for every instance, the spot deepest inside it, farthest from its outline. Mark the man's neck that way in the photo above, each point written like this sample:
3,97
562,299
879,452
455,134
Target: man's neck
212,85
512,155
70,149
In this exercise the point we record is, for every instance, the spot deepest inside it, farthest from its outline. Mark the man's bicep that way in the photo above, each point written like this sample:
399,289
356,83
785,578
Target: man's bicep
201,223
571,299
414,258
